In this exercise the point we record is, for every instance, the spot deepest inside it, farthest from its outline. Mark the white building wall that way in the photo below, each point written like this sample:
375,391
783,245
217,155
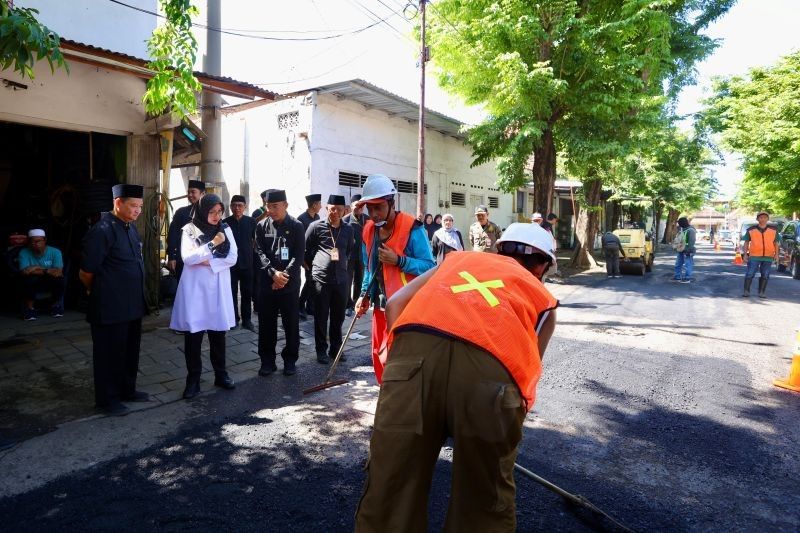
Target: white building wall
332,136
99,22
87,99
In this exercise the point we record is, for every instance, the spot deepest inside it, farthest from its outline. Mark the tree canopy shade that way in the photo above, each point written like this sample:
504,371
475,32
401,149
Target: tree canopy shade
173,49
758,117
23,41
553,73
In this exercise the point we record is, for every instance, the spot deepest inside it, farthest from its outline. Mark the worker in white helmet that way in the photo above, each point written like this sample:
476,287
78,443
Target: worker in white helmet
465,348
395,250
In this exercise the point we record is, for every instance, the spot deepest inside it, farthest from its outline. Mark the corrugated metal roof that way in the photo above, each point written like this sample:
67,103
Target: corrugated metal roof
373,97
248,88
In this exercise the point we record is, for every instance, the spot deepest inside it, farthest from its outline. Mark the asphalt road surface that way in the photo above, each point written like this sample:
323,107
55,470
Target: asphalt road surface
656,404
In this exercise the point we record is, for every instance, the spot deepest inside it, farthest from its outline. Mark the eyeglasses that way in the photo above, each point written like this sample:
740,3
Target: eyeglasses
216,212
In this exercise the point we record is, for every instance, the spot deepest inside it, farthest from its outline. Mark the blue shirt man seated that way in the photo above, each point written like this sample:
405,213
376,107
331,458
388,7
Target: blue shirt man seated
42,269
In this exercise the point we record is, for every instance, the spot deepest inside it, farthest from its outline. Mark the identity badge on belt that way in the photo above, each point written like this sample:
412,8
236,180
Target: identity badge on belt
334,254
284,253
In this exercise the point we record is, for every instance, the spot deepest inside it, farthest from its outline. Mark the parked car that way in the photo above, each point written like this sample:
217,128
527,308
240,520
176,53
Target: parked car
701,235
726,235
789,253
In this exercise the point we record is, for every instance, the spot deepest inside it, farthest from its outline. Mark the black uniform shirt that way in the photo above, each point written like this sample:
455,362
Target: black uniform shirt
112,252
321,237
181,217
243,231
306,219
271,236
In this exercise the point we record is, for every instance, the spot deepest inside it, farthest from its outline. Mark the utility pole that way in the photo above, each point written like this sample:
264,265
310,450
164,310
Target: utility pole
423,57
211,120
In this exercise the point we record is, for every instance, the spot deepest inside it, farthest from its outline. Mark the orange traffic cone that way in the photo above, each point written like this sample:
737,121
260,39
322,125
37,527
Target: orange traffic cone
793,381
738,259
717,247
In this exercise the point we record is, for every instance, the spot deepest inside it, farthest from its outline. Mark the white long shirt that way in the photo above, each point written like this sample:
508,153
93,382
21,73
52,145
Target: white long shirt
204,300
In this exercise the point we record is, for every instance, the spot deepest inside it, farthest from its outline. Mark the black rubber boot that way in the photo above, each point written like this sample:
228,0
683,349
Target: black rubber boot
762,287
747,283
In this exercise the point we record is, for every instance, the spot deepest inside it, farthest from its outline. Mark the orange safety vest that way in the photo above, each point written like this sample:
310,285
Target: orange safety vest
393,278
762,244
491,302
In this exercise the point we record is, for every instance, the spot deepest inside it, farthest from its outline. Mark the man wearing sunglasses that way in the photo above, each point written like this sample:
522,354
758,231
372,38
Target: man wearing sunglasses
468,337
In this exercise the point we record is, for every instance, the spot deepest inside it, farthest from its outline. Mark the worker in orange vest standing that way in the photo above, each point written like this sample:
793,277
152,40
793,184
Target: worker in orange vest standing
761,245
395,251
465,350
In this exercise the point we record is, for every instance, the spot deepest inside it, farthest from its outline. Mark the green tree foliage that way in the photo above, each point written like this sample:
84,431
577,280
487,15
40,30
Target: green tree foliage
758,117
173,49
24,41
554,73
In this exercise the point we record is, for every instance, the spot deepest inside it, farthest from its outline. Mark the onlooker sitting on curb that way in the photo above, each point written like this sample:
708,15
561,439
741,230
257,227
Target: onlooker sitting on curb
611,249
684,245
42,270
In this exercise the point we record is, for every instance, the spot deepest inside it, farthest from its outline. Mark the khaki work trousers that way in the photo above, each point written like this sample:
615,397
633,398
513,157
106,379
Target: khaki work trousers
434,388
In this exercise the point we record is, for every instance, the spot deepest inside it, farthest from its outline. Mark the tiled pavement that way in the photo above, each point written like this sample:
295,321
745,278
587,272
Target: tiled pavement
46,367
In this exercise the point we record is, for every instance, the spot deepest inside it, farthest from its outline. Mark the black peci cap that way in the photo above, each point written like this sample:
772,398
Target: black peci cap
276,195
238,198
124,190
196,184
355,198
336,199
314,198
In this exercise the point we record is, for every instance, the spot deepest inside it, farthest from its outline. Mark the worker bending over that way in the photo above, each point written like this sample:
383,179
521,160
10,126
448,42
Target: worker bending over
465,348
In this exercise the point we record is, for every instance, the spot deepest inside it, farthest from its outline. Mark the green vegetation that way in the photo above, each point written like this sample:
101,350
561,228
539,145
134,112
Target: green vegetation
24,41
173,48
758,116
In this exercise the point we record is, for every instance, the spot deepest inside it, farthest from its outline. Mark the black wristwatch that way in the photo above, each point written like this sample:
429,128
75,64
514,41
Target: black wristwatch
211,245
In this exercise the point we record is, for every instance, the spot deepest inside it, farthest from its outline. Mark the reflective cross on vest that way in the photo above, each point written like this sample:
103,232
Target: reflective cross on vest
482,287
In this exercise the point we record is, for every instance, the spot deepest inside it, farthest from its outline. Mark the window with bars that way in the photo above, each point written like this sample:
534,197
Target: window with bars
494,202
288,120
458,199
351,179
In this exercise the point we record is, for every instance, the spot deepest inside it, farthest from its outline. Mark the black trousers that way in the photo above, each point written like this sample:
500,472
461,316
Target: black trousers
271,303
356,271
307,293
192,343
115,354
33,284
330,301
256,285
242,279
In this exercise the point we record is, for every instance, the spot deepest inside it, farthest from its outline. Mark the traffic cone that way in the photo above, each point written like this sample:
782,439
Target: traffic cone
738,259
793,381
717,247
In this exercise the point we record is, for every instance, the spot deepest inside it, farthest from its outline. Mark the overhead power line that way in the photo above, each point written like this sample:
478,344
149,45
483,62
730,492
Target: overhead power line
263,37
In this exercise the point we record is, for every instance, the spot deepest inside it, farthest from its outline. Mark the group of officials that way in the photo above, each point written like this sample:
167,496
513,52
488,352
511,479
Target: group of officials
476,387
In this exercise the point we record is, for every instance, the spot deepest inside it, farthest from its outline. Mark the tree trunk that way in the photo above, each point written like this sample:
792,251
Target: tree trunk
670,226
544,173
588,224
657,208
616,215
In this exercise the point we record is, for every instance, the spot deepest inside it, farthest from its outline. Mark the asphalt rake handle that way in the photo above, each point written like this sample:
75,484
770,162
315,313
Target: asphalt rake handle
328,383
575,499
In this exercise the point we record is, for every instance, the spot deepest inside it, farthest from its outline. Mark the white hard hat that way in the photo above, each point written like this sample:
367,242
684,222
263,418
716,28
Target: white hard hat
536,215
532,235
377,187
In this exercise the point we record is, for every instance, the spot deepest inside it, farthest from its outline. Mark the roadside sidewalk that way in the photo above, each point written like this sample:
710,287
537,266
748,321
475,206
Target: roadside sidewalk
46,368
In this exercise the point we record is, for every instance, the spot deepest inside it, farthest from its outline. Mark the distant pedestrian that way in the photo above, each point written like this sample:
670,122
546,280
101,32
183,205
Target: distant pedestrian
182,216
612,247
243,228
446,239
204,302
711,234
537,218
430,226
311,214
761,245
329,244
280,245
113,273
483,233
42,269
684,245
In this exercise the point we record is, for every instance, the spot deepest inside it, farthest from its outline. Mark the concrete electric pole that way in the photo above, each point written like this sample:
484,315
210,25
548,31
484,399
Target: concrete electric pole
211,119
423,57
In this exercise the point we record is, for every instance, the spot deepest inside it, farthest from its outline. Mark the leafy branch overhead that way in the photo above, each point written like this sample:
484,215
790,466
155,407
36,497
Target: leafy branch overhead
173,49
24,41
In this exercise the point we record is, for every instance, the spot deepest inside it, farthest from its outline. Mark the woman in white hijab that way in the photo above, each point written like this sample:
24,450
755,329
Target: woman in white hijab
446,239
